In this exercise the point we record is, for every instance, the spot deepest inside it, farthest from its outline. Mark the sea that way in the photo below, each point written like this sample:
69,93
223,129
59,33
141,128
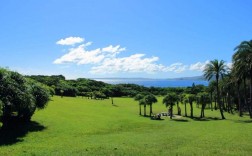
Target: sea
153,82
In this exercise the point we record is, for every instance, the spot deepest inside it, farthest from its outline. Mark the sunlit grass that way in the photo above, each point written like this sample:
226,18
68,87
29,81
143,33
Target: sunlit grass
79,126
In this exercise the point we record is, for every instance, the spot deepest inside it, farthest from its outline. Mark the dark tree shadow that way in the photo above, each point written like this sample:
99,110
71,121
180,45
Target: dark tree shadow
180,120
200,119
14,133
157,119
243,121
213,118
206,119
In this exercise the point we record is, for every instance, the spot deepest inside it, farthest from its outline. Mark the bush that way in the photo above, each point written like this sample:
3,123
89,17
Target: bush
20,96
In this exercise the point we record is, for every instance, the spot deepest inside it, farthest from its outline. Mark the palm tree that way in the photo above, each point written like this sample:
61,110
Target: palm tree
185,102
182,99
237,80
169,101
210,89
203,100
242,61
216,68
191,99
149,100
139,98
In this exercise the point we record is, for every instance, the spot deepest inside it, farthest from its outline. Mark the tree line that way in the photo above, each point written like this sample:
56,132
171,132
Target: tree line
229,89
89,88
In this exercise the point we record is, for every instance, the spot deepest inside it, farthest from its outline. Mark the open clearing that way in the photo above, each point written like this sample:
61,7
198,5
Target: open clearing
79,126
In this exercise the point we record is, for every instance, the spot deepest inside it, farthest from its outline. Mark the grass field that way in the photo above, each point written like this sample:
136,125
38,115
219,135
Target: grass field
79,126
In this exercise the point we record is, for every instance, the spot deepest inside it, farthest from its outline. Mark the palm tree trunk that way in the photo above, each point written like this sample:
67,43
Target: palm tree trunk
249,108
239,98
191,105
211,100
150,109
112,101
178,107
185,110
245,95
228,103
144,110
202,110
215,103
171,113
218,97
140,111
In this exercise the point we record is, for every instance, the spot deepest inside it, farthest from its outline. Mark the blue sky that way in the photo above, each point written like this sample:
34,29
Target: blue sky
116,38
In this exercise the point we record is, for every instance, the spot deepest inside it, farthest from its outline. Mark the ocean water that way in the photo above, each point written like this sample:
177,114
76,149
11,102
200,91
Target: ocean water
155,82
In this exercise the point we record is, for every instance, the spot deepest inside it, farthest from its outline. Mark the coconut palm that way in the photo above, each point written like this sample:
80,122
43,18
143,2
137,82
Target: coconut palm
139,98
242,62
191,98
149,100
203,100
236,78
185,102
218,69
210,89
169,101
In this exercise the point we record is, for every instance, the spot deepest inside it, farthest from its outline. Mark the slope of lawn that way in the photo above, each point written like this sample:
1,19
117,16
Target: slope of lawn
79,126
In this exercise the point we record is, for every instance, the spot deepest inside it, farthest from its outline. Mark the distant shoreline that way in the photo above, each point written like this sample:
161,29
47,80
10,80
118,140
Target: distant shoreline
154,82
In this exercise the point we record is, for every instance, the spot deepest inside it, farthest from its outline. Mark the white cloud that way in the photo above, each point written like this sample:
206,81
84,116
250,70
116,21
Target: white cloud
175,67
136,63
199,66
70,41
113,50
79,55
107,60
133,63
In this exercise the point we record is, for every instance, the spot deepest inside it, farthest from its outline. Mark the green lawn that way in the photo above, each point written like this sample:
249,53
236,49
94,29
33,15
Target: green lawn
79,126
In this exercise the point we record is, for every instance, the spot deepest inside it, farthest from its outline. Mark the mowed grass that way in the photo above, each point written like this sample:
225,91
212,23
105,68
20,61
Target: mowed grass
79,126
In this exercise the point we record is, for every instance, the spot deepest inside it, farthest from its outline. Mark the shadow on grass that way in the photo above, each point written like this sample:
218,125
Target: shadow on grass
180,120
115,105
206,119
14,133
157,119
243,121
148,116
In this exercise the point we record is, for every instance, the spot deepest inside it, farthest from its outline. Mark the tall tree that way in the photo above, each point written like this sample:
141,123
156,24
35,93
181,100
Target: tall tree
242,62
149,100
191,99
203,100
210,90
169,100
218,69
139,98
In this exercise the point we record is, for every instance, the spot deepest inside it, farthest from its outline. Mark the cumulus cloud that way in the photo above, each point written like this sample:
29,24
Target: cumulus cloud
199,66
107,60
135,64
79,55
175,67
70,41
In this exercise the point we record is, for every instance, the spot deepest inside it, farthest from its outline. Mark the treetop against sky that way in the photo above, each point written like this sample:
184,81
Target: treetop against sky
116,38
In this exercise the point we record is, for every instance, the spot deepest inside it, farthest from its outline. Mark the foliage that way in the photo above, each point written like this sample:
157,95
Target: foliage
218,69
20,97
